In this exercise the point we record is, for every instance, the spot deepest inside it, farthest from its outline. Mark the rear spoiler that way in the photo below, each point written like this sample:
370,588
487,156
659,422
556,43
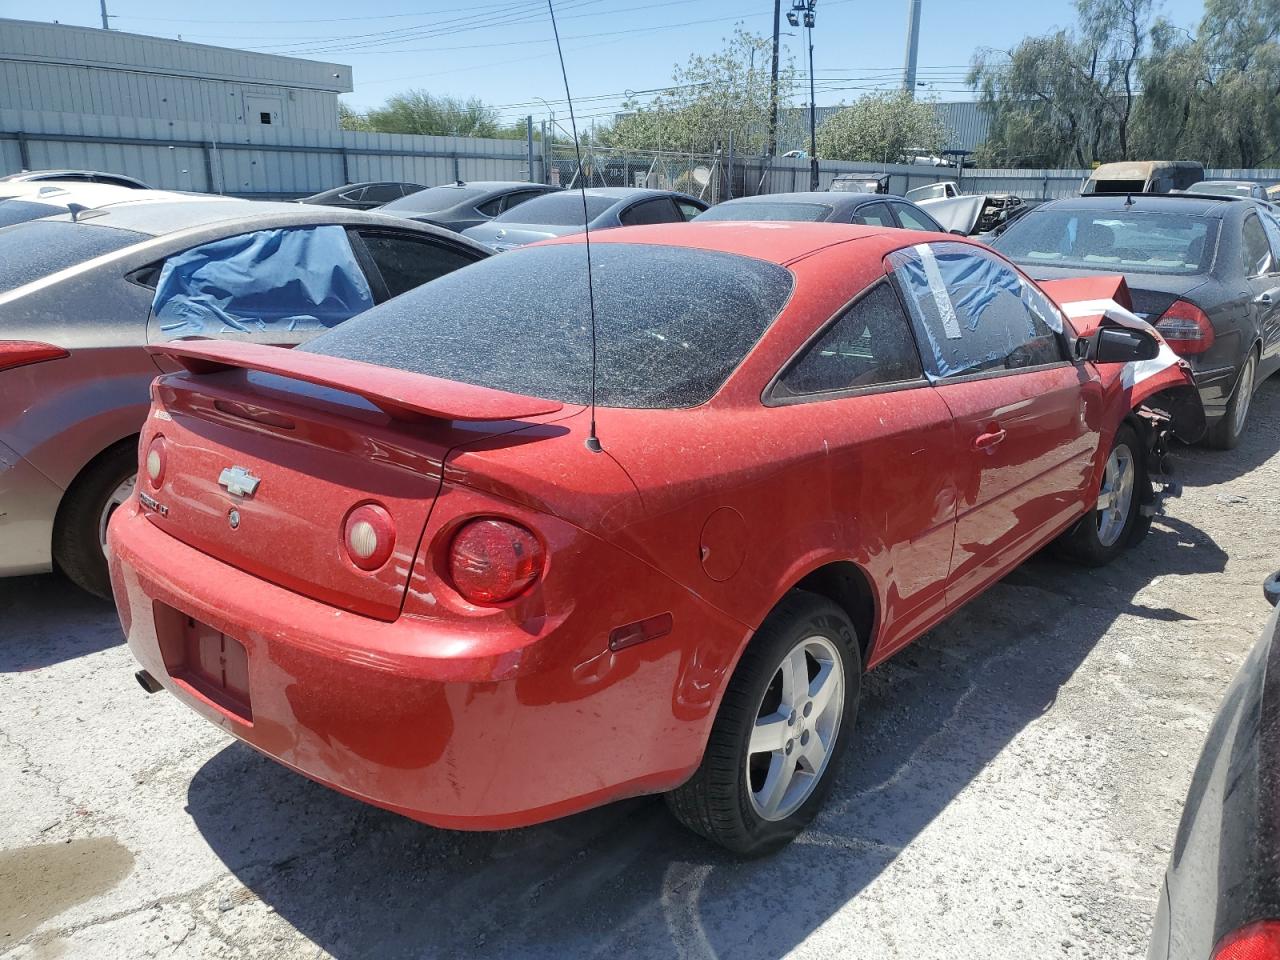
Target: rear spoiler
400,395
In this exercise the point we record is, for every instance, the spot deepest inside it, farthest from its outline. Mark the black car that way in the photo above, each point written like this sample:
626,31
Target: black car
869,208
76,176
1205,271
363,196
457,206
1221,895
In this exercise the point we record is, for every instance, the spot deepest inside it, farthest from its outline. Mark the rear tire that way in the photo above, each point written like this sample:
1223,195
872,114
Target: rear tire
1226,433
1107,530
742,796
78,545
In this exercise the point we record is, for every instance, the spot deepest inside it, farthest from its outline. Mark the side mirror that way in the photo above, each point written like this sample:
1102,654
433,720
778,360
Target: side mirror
1271,589
1117,345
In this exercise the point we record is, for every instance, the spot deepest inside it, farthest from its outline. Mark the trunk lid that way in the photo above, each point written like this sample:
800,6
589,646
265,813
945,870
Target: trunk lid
320,437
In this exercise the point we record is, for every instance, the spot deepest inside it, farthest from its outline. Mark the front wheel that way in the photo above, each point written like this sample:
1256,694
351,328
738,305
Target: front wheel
1105,531
783,725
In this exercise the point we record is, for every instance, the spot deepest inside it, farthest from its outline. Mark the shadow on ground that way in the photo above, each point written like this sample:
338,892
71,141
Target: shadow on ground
1203,467
625,880
59,621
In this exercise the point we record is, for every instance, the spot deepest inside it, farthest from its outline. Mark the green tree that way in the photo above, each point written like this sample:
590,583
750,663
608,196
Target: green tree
420,112
710,97
882,127
349,119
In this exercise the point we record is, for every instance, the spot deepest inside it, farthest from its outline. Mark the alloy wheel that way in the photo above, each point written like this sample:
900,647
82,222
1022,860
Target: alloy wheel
795,730
1115,499
118,496
1244,395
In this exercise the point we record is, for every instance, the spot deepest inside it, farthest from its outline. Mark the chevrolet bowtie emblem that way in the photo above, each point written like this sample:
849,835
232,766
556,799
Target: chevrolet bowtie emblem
239,481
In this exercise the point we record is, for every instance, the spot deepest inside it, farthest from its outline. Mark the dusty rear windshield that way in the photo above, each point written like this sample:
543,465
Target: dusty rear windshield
671,323
762,210
435,199
1139,242
32,251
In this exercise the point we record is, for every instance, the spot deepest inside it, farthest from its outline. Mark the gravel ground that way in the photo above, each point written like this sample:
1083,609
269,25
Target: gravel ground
1015,788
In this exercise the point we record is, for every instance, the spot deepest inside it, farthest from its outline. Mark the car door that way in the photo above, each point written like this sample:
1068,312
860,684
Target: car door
874,214
1266,295
994,349
280,286
859,388
396,262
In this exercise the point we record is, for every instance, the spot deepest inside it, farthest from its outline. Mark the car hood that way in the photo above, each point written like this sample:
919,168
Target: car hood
955,213
504,236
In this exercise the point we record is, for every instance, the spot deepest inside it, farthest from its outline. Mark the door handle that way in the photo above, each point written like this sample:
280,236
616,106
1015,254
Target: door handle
988,441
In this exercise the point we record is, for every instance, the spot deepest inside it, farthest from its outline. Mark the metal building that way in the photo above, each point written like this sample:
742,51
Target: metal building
56,68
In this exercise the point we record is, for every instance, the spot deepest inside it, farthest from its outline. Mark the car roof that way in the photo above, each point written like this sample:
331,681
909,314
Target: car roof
630,193
91,195
157,218
830,198
484,185
780,242
1185,204
35,175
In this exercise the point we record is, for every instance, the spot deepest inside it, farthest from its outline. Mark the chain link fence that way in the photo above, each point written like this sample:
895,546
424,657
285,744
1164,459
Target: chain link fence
699,175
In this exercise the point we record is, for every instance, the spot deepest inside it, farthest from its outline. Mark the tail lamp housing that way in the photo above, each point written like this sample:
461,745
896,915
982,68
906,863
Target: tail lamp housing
369,536
1186,328
154,462
19,353
1257,941
492,560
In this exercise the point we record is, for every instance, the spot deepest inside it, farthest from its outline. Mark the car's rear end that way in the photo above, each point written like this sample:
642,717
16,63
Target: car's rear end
400,579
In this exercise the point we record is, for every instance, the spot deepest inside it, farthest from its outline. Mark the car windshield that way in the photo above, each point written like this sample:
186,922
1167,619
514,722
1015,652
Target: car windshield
763,210
20,211
854,186
520,322
435,199
34,250
1164,242
557,209
934,191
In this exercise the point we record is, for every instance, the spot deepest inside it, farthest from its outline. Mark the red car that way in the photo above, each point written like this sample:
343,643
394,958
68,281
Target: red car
395,560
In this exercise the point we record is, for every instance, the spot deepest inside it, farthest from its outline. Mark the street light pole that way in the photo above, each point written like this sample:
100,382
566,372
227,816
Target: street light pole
773,80
813,109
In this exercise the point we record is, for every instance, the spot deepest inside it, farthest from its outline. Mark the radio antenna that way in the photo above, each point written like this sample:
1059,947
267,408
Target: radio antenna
593,441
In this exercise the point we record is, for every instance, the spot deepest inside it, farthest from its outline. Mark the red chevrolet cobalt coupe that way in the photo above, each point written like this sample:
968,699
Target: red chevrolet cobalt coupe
394,560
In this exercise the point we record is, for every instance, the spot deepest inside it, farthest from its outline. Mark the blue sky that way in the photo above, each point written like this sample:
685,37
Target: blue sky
500,50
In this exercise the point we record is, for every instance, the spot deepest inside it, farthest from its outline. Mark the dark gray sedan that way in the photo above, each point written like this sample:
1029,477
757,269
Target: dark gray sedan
1205,271
869,208
457,206
561,214
363,196
81,300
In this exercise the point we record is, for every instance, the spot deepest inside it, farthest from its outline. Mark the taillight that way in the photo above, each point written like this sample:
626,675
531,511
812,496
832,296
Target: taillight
494,560
369,536
19,353
1186,328
154,462
1257,941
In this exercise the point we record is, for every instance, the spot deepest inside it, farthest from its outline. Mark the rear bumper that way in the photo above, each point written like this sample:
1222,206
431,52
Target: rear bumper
28,504
384,712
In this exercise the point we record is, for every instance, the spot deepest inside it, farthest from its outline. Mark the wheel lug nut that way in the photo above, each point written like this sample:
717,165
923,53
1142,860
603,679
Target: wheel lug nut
808,708
791,719
790,745
804,738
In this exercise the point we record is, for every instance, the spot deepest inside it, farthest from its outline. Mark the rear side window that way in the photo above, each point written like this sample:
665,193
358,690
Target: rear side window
914,219
32,251
491,208
870,345
671,324
406,262
650,211
975,313
874,214
382,193
271,280
1257,252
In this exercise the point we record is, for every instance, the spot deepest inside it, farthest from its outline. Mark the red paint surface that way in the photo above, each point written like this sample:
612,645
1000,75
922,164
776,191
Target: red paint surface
391,687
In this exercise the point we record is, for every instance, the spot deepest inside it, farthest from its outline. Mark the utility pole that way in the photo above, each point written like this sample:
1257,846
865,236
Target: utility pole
913,47
103,5
806,9
773,79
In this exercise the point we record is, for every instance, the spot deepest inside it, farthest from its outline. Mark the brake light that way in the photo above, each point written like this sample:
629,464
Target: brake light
1257,941
154,462
19,353
494,560
1186,328
369,536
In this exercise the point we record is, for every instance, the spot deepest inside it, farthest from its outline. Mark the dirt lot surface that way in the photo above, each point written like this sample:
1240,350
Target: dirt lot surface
1013,792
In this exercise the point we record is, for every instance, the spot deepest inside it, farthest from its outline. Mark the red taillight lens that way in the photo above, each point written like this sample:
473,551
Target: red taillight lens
1257,941
153,463
19,353
369,536
1186,328
494,560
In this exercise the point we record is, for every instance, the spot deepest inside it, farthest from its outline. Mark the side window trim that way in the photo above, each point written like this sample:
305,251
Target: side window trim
772,397
381,293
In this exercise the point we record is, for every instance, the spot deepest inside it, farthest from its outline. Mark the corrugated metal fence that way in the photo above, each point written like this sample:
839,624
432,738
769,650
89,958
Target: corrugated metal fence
282,162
